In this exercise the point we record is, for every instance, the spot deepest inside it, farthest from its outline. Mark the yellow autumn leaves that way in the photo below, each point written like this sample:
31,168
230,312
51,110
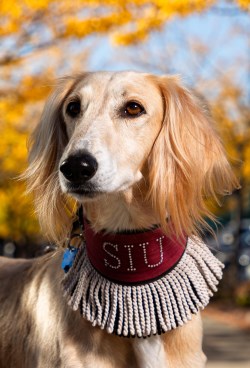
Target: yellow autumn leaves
131,19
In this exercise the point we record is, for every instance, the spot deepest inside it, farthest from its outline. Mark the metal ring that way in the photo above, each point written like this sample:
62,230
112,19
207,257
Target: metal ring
73,236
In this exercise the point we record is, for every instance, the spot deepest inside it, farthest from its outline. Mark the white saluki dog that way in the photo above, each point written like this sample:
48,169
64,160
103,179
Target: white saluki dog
134,149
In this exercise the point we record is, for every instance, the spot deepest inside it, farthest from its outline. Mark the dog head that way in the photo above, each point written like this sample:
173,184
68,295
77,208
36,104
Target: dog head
111,127
107,132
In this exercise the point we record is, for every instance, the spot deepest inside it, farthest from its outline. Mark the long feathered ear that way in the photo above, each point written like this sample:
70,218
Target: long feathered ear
187,163
46,146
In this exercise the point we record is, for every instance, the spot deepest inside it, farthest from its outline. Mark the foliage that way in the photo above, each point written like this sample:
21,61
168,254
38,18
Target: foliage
41,22
16,120
233,115
34,35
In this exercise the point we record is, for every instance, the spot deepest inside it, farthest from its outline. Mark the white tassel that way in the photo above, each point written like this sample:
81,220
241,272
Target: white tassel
147,309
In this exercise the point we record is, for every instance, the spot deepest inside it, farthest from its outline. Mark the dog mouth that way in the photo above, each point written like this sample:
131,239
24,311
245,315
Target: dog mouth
88,191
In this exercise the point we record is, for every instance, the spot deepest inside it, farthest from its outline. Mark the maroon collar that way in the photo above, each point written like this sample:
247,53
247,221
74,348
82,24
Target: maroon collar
132,258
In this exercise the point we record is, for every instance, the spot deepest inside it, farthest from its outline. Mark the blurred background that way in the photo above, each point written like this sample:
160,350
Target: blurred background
204,41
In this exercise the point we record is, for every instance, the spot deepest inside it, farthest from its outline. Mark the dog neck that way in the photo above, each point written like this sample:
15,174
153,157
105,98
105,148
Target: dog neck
128,210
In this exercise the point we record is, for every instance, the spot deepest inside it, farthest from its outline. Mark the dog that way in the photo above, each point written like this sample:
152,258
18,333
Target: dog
135,150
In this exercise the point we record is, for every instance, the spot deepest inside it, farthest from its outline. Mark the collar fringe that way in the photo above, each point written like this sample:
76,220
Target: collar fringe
147,309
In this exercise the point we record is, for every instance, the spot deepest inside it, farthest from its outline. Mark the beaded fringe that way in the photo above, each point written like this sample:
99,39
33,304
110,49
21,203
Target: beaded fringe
146,309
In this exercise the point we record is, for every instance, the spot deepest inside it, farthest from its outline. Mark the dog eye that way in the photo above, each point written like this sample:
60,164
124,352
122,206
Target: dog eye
134,109
73,109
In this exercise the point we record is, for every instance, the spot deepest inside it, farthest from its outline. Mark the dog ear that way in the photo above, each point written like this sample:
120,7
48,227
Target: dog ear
46,146
187,164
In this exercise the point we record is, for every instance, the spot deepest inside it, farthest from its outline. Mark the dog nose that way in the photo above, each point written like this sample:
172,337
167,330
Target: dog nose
79,167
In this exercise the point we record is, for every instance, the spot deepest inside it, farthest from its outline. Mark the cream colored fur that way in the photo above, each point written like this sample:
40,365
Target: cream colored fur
162,163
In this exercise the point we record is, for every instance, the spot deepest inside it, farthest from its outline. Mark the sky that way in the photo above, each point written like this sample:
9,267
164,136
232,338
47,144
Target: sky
225,36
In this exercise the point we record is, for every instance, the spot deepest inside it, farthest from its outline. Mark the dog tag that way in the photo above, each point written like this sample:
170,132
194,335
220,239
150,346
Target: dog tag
68,258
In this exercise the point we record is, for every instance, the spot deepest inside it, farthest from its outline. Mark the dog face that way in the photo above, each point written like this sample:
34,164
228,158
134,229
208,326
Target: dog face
112,121
103,133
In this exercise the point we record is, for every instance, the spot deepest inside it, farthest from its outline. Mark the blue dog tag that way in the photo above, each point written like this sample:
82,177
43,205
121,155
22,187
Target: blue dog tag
68,258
